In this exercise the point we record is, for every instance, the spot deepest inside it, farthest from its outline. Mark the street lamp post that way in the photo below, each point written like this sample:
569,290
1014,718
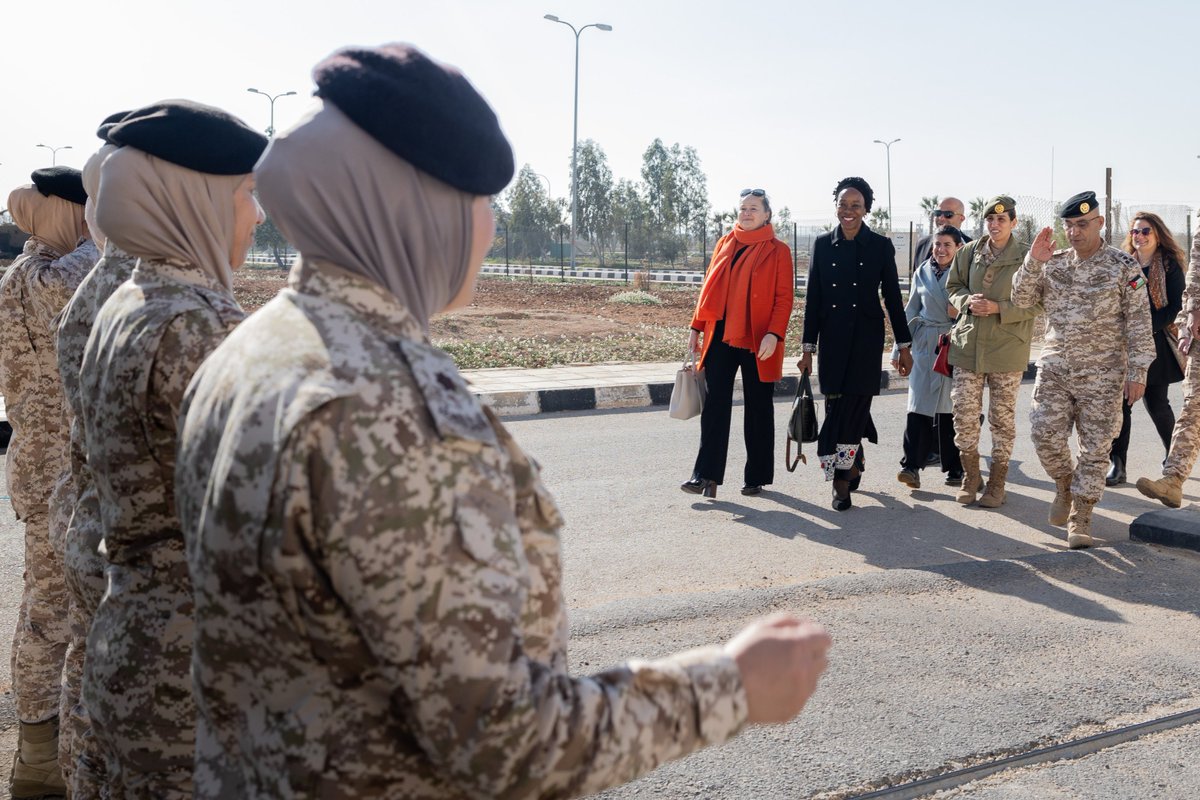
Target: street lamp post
888,146
54,152
272,98
575,133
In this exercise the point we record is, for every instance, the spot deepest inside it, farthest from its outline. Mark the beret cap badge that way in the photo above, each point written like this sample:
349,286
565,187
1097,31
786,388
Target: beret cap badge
1084,207
999,208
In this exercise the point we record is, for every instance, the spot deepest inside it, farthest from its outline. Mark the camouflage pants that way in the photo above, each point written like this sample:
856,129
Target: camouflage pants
83,566
1092,404
1185,439
137,683
40,643
966,394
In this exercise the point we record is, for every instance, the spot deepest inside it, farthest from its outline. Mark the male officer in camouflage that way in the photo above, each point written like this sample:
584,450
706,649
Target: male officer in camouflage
1185,439
35,288
1099,344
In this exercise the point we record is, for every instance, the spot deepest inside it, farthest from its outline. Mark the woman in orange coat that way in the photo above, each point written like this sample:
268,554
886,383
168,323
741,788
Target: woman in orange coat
743,314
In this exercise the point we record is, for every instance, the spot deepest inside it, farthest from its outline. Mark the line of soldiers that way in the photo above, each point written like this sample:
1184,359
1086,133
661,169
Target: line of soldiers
290,555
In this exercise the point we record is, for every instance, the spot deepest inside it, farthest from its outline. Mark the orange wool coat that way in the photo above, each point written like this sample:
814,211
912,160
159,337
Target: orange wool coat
772,292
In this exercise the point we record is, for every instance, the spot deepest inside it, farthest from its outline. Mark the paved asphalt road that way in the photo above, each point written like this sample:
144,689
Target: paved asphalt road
960,634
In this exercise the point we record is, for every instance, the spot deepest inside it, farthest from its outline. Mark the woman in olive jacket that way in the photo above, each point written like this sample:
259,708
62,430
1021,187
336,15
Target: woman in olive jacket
989,345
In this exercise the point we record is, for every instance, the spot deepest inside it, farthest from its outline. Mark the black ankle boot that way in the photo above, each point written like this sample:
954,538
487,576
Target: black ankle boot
1116,472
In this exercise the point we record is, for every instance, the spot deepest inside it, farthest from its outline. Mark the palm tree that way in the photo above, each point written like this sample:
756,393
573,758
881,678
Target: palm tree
929,205
977,207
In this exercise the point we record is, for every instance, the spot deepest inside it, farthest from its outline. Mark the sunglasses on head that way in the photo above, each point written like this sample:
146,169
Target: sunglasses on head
1142,231
946,214
755,192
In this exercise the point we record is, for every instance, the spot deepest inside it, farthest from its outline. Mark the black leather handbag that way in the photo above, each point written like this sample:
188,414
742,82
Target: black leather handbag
802,425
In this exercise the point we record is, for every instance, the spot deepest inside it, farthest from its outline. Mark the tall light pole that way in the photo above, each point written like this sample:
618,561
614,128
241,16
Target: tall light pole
54,152
271,130
575,133
888,146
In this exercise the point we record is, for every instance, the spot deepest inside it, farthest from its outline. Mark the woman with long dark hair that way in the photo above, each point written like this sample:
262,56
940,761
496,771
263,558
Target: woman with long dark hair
1162,261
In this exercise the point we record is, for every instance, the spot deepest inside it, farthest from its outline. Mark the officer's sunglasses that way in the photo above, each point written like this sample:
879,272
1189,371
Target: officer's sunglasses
946,214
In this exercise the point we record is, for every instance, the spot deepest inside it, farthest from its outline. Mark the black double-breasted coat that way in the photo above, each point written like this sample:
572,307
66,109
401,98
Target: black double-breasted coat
843,316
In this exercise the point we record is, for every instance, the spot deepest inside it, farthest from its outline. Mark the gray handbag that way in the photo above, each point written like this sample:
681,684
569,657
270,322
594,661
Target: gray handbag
687,398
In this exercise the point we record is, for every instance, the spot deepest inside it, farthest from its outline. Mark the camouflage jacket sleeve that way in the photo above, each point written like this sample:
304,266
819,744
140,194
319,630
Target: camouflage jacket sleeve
51,288
1029,285
435,586
1139,329
1192,292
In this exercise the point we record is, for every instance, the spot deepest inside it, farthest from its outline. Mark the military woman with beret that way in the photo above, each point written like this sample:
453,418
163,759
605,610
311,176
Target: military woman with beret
989,346
178,196
378,591
34,289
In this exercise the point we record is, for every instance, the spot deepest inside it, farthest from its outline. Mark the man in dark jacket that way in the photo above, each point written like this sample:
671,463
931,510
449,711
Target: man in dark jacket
950,211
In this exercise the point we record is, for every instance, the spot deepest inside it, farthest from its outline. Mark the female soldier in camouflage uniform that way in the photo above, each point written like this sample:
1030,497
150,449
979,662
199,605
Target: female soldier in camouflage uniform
178,195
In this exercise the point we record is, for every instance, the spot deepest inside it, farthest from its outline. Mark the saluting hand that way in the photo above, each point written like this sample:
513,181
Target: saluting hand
1043,245
767,346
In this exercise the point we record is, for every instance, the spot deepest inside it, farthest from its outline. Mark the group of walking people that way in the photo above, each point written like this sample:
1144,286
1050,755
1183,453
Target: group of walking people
290,554
1110,339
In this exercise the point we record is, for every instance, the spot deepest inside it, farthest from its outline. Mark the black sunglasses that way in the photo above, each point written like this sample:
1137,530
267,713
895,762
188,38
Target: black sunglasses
755,192
1142,231
946,214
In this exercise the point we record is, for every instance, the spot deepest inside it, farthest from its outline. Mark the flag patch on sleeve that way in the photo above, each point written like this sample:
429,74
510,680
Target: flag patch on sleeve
1138,282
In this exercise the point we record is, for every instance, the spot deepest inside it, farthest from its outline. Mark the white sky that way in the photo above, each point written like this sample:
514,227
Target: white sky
783,95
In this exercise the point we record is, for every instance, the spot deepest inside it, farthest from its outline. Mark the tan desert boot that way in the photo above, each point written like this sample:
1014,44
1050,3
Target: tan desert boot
1168,490
1060,507
972,480
1079,525
993,495
35,771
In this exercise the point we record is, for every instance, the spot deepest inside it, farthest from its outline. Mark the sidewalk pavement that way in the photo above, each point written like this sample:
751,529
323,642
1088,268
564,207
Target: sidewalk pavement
512,392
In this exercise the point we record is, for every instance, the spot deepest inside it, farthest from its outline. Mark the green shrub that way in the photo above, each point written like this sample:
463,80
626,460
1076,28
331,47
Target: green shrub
636,298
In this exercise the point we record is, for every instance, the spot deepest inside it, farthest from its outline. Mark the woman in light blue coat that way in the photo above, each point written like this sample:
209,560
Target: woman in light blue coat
930,314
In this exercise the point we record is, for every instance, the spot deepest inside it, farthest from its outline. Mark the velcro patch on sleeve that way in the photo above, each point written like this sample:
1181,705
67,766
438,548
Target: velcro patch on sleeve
1138,282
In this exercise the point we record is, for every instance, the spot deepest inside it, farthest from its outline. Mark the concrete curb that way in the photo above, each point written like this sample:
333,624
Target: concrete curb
640,395
1173,527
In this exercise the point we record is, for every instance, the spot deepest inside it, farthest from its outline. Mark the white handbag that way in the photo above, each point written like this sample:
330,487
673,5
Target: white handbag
687,398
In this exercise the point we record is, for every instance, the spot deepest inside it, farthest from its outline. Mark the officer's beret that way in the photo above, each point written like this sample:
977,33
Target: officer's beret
1079,204
192,135
108,123
425,112
1000,204
64,182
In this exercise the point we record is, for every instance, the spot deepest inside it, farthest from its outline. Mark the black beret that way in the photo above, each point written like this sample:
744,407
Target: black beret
64,182
424,112
1078,205
108,123
191,135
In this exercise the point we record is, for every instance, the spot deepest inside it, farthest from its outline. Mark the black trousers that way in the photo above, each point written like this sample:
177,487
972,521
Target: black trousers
919,438
720,368
1158,406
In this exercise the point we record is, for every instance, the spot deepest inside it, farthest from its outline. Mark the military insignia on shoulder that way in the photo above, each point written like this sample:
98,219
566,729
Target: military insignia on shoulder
1137,283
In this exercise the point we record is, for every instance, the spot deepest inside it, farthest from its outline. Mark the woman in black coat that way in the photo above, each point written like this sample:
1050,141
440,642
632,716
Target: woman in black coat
851,267
1162,262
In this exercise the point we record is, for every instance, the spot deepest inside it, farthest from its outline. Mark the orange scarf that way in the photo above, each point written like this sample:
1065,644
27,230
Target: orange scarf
714,294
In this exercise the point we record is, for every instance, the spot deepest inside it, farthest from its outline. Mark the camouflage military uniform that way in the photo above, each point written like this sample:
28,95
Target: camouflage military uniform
33,291
376,563
1098,337
1185,439
146,343
83,564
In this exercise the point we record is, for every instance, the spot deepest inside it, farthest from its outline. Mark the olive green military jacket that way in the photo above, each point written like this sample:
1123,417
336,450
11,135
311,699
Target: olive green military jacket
994,342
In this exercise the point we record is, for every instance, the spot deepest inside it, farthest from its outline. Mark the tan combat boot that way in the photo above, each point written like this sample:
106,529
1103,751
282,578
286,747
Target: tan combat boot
1060,507
35,771
993,495
1168,490
1079,524
972,480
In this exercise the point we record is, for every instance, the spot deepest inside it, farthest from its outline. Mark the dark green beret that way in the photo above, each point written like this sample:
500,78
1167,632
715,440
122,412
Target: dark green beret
1000,204
64,182
425,112
1078,205
108,123
192,135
